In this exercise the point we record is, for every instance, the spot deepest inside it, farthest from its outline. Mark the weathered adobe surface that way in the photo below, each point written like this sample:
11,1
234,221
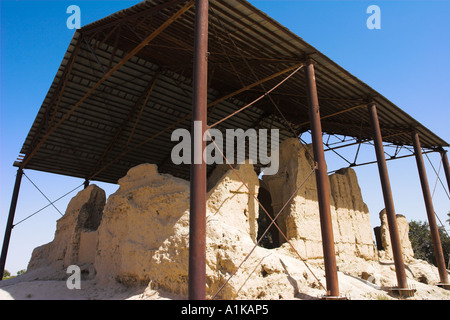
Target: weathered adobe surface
75,237
386,245
143,235
300,219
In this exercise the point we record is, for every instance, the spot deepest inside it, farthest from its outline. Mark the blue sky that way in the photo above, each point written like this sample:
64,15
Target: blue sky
407,60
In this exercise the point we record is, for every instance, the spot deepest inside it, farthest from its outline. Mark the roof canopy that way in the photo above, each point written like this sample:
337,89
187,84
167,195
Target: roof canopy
125,84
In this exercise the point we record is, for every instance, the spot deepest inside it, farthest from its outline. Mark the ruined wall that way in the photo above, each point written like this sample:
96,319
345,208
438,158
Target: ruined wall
403,230
354,236
75,236
141,235
300,219
144,234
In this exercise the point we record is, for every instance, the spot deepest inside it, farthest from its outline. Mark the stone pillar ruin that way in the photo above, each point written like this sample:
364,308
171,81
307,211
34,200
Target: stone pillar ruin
300,219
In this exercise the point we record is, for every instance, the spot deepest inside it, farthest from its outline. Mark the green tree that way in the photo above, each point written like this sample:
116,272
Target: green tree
20,272
6,274
420,237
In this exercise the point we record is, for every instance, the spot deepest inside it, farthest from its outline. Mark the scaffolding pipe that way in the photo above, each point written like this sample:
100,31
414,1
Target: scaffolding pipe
446,166
9,224
388,201
438,253
322,184
197,222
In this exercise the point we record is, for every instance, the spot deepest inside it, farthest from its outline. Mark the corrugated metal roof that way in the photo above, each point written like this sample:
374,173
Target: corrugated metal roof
111,131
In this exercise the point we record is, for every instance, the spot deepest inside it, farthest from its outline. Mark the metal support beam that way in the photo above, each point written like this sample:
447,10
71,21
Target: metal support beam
9,224
130,55
259,82
336,113
446,166
388,201
438,253
141,14
372,162
322,184
145,95
197,222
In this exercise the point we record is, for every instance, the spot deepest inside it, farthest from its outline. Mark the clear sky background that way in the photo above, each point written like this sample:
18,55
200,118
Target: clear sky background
407,61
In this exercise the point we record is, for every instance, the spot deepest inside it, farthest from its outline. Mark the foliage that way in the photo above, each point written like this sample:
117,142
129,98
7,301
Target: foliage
420,237
6,275
20,272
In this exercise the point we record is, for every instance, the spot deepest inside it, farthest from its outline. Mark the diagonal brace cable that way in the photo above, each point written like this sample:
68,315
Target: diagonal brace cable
270,225
42,193
51,203
257,99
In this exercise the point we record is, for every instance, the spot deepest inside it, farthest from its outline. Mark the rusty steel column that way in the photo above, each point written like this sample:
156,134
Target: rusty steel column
322,183
388,201
197,222
446,166
430,210
9,224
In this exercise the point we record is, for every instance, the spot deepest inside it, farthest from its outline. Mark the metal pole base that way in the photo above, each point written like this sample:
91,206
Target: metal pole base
341,298
445,286
402,292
